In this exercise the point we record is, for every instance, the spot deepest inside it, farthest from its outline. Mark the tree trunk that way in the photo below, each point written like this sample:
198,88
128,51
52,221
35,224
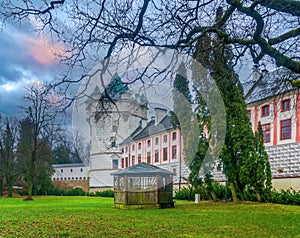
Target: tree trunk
214,196
190,195
258,196
30,181
9,188
1,186
233,192
10,192
29,190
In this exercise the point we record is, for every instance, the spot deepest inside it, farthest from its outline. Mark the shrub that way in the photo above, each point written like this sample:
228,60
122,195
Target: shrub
186,194
249,195
183,193
105,193
290,197
222,191
75,192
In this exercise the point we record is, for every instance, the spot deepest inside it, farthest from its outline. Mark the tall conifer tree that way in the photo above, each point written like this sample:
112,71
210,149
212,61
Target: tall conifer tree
239,141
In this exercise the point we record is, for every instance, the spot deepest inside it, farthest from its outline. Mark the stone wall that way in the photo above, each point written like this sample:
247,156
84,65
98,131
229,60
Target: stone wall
284,160
70,184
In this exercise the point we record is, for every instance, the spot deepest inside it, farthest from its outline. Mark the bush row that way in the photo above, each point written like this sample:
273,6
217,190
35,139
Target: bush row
73,192
221,191
288,197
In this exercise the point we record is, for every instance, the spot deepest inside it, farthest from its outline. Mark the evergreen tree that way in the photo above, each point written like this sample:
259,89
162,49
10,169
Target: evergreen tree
182,114
182,111
25,153
255,170
239,140
62,155
8,153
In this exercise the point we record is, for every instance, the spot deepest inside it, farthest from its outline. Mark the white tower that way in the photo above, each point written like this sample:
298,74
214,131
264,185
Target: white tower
114,115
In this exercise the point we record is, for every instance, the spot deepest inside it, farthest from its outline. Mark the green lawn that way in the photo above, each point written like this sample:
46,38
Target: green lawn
96,217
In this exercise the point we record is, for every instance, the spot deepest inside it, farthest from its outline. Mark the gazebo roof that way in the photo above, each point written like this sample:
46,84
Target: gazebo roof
142,169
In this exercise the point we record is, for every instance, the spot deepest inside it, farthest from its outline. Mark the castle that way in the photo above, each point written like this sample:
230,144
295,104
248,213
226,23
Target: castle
122,135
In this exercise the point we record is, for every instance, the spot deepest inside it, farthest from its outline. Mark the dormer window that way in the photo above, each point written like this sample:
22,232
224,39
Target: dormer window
113,141
115,125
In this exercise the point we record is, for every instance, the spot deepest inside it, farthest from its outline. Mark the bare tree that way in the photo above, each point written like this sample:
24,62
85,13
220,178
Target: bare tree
74,145
35,134
267,30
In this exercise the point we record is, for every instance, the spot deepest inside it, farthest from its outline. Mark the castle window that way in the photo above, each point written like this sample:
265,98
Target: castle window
174,135
174,152
265,110
285,105
139,145
62,170
285,129
156,141
148,143
165,138
165,154
249,114
126,162
156,156
122,162
133,160
133,147
115,163
267,132
81,170
71,170
149,157
139,158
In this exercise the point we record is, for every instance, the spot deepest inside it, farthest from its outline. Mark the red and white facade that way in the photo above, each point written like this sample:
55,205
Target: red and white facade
279,117
158,143
276,105
158,149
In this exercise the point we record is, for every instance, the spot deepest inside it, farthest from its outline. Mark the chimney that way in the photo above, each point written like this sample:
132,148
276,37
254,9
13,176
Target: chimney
256,73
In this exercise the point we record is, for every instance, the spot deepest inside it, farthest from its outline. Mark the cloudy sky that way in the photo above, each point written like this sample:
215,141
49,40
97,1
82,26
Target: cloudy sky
24,58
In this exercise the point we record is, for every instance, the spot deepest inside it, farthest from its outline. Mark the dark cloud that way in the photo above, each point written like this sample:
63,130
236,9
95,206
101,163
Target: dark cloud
10,102
19,64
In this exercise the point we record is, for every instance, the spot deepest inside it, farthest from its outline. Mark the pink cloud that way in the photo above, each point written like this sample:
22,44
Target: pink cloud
43,51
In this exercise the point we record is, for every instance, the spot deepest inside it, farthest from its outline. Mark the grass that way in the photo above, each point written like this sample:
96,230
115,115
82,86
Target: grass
96,217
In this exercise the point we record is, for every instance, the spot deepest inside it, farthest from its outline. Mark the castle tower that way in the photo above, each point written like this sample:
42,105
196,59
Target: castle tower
113,115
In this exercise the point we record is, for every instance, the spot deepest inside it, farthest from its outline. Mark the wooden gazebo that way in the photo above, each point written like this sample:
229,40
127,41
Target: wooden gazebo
143,185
